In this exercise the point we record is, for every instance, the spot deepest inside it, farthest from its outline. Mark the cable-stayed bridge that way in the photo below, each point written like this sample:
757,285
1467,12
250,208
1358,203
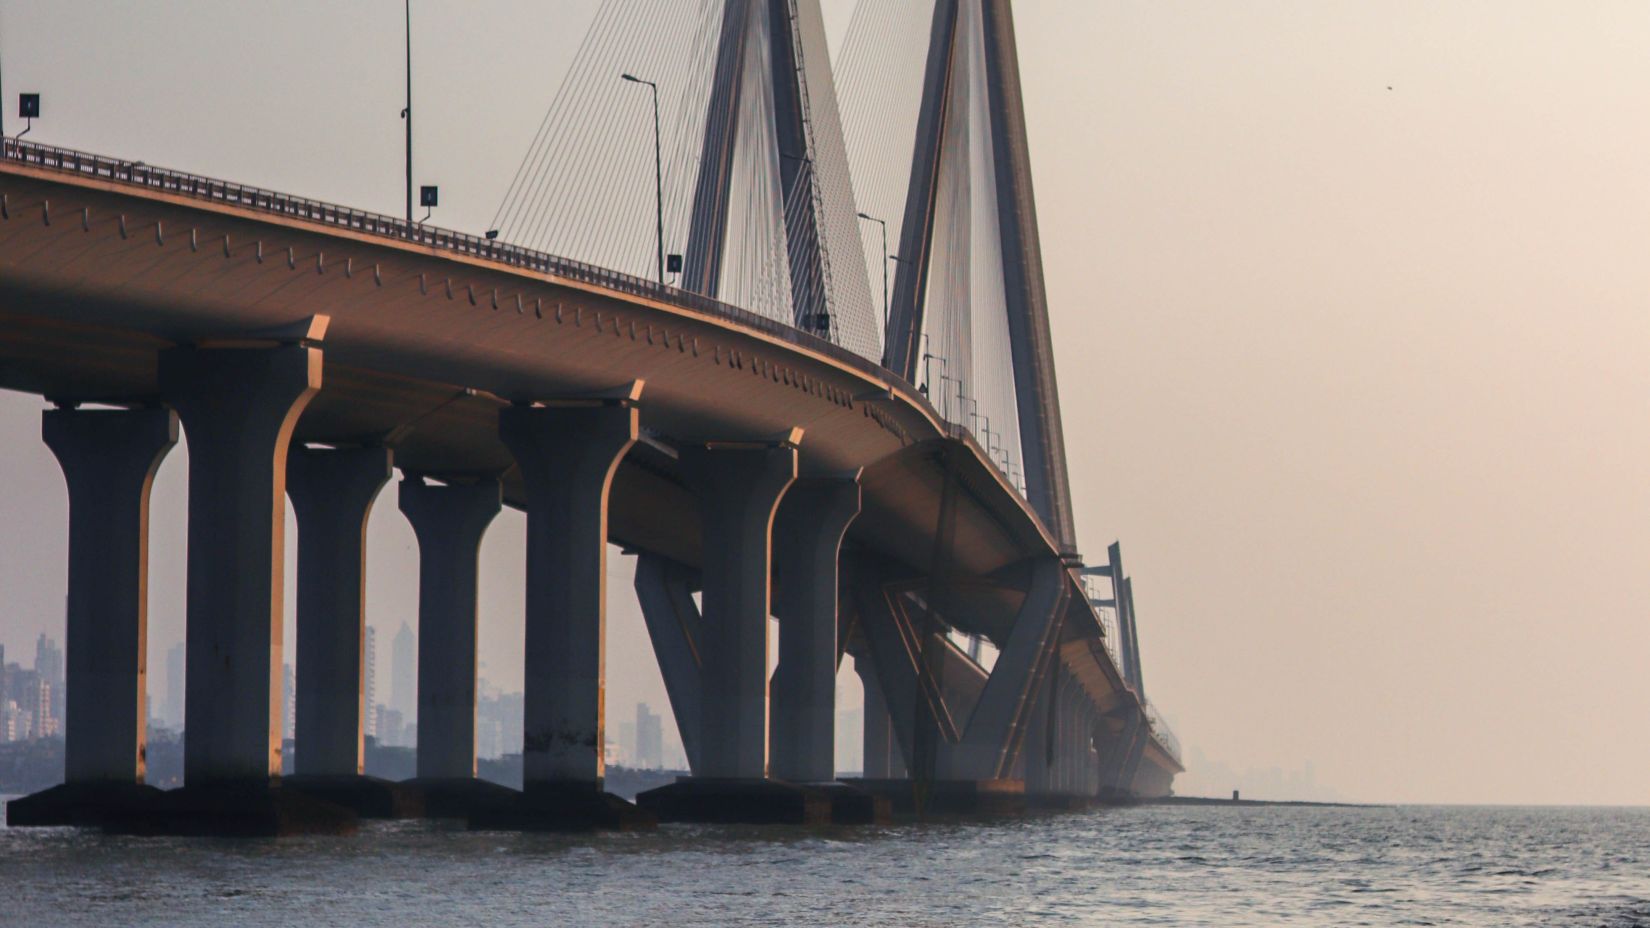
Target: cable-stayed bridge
730,391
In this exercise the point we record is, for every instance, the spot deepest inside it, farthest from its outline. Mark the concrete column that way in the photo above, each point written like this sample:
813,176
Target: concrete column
332,491
812,519
1116,757
449,520
109,459
238,407
567,455
1067,737
739,486
1085,735
1037,750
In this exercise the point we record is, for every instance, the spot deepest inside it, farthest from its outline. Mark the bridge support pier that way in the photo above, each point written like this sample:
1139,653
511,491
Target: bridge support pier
109,459
812,519
739,486
1088,785
332,492
238,406
567,453
1114,756
449,520
1038,753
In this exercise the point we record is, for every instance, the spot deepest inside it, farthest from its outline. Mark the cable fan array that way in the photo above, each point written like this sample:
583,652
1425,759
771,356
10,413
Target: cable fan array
757,219
966,364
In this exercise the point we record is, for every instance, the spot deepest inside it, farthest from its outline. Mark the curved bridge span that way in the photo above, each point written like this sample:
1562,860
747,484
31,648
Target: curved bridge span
748,454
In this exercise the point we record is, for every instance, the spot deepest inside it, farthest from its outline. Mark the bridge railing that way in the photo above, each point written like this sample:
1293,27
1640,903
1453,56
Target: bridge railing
256,198
1165,736
197,186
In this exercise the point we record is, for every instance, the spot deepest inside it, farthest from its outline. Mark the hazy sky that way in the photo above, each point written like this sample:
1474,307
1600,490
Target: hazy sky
1350,303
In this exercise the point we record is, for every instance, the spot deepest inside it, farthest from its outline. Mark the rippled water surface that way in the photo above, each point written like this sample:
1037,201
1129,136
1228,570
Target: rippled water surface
1258,866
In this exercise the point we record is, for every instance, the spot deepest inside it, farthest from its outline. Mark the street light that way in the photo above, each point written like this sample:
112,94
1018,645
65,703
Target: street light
884,268
658,173
407,112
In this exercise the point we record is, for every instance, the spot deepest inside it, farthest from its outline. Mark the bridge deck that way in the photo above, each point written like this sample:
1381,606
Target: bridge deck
103,262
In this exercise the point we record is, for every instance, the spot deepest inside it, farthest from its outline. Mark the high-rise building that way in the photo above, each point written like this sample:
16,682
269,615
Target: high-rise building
289,705
48,664
649,739
369,684
37,703
174,686
391,733
404,674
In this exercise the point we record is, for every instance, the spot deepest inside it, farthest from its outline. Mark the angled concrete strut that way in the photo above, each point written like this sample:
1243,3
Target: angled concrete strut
990,744
673,625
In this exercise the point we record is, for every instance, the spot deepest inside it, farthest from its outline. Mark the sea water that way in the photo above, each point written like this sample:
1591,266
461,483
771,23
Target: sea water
1148,865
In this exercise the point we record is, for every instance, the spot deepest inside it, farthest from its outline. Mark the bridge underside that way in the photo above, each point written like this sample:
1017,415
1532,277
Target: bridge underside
426,347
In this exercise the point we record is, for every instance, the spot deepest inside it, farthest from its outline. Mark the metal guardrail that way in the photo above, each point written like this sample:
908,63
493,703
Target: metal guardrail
205,188
210,189
1165,736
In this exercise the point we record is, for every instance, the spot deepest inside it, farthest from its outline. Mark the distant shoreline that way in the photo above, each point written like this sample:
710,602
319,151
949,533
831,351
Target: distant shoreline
1215,801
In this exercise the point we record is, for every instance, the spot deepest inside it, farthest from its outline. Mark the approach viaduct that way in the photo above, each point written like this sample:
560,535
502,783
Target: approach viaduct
772,458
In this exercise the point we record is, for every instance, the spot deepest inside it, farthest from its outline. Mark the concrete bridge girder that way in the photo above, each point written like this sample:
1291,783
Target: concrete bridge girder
412,325
427,373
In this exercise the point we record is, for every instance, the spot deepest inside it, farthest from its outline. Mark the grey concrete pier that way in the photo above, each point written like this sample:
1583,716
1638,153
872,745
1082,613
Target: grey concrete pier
109,459
567,453
812,520
238,402
449,520
332,491
739,486
238,407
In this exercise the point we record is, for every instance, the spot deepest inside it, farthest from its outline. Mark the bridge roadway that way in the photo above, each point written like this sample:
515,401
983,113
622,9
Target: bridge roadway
431,334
